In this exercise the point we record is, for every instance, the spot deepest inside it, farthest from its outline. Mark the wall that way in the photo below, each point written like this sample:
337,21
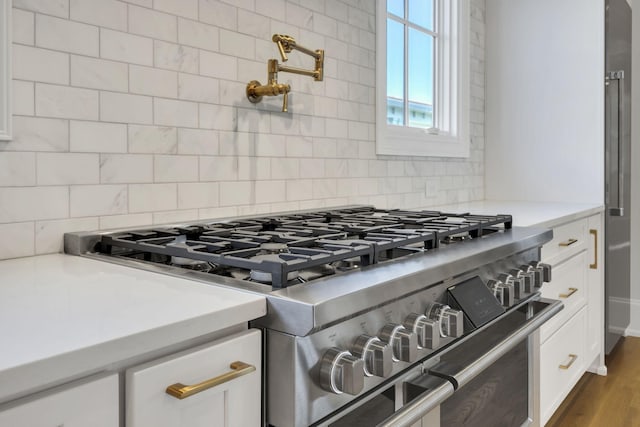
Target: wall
128,113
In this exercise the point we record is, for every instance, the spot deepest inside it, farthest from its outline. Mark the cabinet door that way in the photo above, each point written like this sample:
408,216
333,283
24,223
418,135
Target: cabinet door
595,323
94,404
235,402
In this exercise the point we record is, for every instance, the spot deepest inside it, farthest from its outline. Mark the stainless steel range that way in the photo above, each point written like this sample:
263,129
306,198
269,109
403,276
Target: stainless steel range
374,316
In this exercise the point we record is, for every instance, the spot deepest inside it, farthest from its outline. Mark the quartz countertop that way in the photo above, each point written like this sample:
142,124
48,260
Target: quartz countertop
525,213
64,316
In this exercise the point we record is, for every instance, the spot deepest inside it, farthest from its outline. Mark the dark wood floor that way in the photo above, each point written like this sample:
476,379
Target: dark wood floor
611,401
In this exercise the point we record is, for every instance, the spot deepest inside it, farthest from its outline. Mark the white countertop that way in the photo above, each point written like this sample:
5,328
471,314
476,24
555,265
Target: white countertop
525,214
63,316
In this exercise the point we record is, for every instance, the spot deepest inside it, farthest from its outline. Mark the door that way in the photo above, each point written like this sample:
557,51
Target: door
617,169
218,384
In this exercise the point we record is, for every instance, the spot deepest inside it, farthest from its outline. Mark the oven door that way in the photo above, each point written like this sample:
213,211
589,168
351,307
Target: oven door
490,373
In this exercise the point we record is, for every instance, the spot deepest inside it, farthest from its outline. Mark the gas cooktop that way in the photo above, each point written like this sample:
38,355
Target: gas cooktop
285,250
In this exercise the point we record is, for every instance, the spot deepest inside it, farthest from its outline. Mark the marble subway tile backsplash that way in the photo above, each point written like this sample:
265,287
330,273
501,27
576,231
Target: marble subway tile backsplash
133,112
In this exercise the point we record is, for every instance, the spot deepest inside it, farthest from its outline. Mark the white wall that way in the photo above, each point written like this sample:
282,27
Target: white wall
133,112
634,328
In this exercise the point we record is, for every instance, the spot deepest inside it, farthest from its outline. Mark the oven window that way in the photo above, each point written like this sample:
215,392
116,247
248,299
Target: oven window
371,412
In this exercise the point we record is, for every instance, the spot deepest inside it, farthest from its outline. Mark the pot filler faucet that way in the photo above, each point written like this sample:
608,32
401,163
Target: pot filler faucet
286,44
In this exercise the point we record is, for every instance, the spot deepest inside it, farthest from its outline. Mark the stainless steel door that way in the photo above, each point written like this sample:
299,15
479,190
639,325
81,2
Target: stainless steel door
617,169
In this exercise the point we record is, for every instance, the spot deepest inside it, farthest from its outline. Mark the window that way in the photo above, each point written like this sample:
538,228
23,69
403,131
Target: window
5,70
422,78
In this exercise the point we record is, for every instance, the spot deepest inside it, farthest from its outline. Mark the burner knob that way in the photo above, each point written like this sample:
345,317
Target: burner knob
404,343
451,321
522,283
376,355
536,273
546,270
528,279
503,289
340,372
426,330
517,283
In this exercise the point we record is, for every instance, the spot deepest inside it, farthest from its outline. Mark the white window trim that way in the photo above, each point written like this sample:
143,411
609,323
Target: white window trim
406,141
5,70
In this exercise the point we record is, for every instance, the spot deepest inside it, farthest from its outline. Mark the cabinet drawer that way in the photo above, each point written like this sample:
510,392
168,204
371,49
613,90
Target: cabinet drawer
569,285
235,402
568,239
94,403
562,363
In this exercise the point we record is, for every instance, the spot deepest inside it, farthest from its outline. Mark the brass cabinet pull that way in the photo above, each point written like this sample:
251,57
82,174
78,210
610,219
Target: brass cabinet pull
573,358
181,391
594,233
568,242
568,294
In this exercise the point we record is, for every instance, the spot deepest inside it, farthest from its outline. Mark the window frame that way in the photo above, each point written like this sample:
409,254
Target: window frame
450,135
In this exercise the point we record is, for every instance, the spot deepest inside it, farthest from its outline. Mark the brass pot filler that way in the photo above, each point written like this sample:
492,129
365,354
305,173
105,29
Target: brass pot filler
286,44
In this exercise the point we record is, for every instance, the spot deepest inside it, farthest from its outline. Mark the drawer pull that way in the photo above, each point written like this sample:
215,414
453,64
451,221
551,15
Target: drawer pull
573,358
594,233
568,294
568,242
181,391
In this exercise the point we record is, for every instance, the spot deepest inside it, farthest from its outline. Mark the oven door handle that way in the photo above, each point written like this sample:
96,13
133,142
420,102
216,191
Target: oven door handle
463,376
413,411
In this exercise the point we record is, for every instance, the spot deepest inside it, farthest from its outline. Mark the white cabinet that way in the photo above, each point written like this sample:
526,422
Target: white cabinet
573,340
94,403
230,394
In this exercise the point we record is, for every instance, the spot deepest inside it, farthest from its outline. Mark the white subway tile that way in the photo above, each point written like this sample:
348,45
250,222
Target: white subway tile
126,168
253,168
270,145
66,102
153,139
50,7
95,200
218,14
299,189
197,88
96,137
298,146
186,8
270,191
23,98
229,94
197,195
40,65
285,168
312,168
358,130
336,128
337,168
237,144
347,149
122,221
214,213
282,124
175,168
325,25
152,81
324,147
173,217
152,197
197,34
245,4
301,16
233,193
151,23
175,57
271,8
217,117
252,120
254,24
21,236
219,66
126,47
49,235
17,169
312,126
237,44
67,168
170,112
23,25
198,141
324,188
145,3
39,134
67,36
254,210
26,203
104,13
125,108
99,74
218,168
